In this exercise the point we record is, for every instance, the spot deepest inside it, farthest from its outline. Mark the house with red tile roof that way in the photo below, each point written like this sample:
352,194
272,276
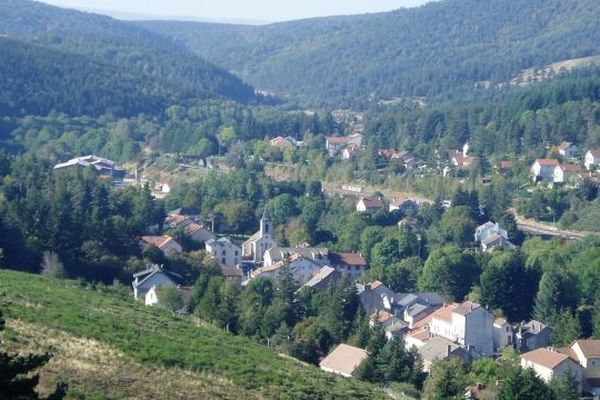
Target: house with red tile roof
165,243
369,205
351,265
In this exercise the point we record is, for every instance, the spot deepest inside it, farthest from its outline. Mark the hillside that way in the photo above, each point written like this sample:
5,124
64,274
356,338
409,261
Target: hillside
154,61
40,79
108,346
437,50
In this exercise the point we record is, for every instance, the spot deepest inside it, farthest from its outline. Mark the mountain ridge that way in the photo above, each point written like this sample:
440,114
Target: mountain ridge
434,50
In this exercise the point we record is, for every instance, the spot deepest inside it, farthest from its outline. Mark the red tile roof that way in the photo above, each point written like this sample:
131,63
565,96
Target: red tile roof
589,348
354,259
158,241
548,162
337,139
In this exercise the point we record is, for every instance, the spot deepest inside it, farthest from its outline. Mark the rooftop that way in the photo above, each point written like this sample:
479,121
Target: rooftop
344,359
545,357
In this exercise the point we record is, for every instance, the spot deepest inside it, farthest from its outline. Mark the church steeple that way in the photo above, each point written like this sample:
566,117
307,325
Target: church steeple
266,226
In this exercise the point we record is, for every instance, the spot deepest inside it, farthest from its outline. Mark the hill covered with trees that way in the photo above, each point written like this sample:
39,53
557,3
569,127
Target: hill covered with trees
433,51
87,50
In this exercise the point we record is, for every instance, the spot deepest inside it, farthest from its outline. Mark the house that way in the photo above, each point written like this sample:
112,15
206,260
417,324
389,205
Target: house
405,205
503,334
196,233
319,255
369,205
460,160
254,248
191,212
344,360
350,152
592,158
550,364
467,324
491,237
587,354
438,348
571,170
323,279
302,269
488,229
532,335
386,153
416,312
234,273
408,159
178,221
393,326
496,241
283,143
505,166
224,251
375,297
165,243
166,187
547,170
335,144
567,149
152,277
105,167
350,265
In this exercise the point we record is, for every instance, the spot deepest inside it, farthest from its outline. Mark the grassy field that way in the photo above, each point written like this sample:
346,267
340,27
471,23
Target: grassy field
108,346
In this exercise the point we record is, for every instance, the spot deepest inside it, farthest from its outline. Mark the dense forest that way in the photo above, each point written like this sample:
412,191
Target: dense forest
437,50
149,63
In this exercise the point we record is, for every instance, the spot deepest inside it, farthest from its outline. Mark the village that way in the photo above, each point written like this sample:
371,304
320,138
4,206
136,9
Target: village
423,321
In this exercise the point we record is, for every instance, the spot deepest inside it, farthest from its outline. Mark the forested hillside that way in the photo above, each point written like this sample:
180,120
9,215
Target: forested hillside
149,64
434,51
36,80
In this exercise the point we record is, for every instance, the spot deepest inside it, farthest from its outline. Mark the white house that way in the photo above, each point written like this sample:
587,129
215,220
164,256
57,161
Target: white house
567,149
592,158
224,251
166,187
370,205
467,324
153,277
547,170
335,144
165,243
343,360
550,364
255,247
404,205
319,255
302,269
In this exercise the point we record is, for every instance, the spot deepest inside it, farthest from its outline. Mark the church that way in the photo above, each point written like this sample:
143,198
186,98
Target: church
255,247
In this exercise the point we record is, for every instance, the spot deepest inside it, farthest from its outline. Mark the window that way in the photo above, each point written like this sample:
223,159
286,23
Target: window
236,253
223,260
594,363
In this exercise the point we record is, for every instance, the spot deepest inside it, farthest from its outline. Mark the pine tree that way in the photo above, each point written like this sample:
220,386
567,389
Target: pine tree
523,384
565,387
546,305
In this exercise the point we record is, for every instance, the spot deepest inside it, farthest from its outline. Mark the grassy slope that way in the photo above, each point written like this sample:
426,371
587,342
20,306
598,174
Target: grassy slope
142,343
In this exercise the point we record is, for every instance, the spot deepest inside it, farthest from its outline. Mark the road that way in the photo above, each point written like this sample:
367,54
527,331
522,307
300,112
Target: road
534,227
